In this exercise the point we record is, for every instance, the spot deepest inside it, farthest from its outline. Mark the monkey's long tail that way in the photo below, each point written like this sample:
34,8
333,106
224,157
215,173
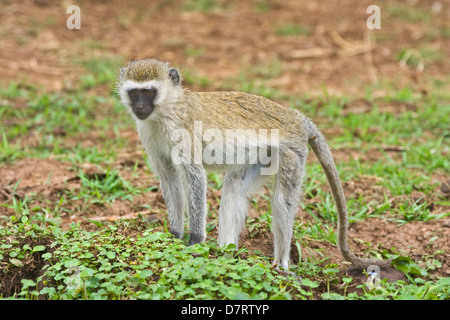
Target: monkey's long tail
320,147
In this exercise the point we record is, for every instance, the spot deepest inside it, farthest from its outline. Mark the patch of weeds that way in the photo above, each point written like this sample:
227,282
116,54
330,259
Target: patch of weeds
332,107
412,210
42,124
311,186
270,70
216,179
80,154
262,5
245,82
255,80
9,151
127,260
108,264
194,52
316,229
259,225
204,5
420,57
193,79
105,187
409,13
15,90
101,71
429,155
291,29
23,240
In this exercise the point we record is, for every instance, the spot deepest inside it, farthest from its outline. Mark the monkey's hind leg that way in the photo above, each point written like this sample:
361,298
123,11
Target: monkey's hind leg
286,196
196,196
234,203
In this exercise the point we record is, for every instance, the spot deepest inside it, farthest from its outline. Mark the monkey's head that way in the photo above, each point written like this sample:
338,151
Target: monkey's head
144,85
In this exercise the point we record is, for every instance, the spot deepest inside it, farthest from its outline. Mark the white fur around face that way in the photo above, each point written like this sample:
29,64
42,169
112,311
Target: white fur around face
152,84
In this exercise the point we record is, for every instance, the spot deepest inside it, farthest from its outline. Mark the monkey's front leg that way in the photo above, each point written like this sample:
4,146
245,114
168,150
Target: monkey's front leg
196,194
173,193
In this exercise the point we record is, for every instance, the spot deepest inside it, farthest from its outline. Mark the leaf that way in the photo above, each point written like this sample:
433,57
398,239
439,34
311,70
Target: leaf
332,296
122,276
309,283
47,255
347,280
39,248
331,271
97,223
27,283
230,247
111,255
285,296
405,264
145,273
16,262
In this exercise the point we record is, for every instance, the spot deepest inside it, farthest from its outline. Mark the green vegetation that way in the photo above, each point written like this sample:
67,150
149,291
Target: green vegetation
127,259
292,30
203,5
409,13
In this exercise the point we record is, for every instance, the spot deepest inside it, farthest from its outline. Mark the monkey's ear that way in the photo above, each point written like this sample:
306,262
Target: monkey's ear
122,71
174,76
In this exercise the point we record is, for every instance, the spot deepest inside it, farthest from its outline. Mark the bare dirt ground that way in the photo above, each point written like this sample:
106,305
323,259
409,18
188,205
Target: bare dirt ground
37,48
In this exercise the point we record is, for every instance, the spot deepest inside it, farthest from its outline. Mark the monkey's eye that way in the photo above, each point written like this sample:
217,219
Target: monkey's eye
149,92
133,92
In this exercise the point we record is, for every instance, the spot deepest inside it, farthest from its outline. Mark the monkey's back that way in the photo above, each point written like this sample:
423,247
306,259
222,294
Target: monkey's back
240,110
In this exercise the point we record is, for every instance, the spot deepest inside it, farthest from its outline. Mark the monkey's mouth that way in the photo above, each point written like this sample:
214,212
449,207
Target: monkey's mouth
143,113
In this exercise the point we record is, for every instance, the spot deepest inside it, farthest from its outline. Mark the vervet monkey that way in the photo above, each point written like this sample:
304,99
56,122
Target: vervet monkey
177,127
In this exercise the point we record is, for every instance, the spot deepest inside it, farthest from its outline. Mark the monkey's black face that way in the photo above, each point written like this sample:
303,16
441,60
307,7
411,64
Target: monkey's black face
142,102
